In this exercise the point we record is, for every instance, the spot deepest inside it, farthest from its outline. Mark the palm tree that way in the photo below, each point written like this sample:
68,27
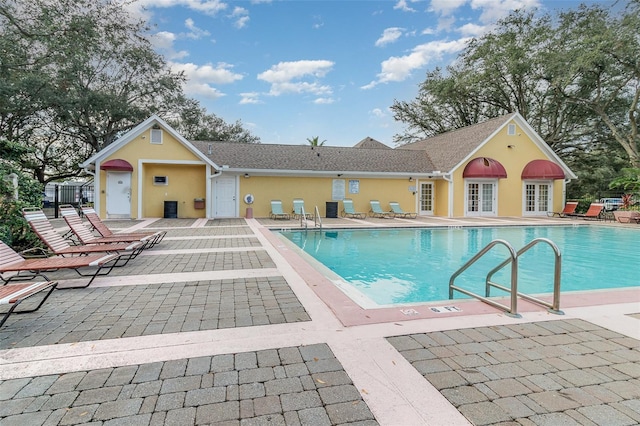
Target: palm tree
315,141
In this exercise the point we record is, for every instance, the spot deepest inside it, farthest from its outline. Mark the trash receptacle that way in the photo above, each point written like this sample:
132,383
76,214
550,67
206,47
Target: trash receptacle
332,209
249,214
198,203
170,209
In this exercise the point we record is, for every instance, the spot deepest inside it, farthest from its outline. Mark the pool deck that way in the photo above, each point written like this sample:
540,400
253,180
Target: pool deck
223,323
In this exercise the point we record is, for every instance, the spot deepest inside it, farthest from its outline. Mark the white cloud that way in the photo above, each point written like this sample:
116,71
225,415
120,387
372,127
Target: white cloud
492,10
474,30
399,68
324,101
194,32
283,76
403,5
446,7
208,7
250,98
201,77
378,113
163,42
241,16
389,35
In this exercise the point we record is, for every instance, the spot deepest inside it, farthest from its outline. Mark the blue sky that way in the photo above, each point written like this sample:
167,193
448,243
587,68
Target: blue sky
292,70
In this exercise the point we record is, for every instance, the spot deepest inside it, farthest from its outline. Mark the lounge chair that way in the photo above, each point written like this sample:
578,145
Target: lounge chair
99,226
84,234
276,211
298,209
15,294
397,211
376,210
569,209
348,211
59,246
594,211
14,267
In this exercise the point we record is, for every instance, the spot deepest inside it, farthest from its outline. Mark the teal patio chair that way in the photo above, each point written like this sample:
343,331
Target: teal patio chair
376,210
276,211
397,211
348,211
298,208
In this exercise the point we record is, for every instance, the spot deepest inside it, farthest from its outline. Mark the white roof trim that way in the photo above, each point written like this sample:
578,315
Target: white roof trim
137,131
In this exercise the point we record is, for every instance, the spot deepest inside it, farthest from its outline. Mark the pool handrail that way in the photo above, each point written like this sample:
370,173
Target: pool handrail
511,311
554,307
317,220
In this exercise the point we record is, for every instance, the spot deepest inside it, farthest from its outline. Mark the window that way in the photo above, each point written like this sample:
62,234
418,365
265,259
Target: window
156,136
161,180
511,130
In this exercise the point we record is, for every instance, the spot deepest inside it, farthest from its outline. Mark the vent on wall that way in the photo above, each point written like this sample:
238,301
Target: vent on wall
156,136
161,180
511,130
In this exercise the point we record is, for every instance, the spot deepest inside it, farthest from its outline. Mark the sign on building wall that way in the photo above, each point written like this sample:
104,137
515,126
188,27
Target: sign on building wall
354,186
337,189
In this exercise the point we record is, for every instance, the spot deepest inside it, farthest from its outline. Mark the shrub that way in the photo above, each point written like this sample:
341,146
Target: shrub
14,230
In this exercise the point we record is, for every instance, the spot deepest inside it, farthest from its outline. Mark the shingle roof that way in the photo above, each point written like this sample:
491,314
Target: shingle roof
314,159
371,143
448,149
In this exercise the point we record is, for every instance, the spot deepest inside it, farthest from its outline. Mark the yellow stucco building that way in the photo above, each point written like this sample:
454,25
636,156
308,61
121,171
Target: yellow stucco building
497,168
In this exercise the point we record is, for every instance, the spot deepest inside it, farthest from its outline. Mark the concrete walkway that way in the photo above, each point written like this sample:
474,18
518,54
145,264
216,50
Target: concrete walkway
223,324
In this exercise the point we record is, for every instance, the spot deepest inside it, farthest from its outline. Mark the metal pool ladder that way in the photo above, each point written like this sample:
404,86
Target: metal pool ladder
317,221
512,310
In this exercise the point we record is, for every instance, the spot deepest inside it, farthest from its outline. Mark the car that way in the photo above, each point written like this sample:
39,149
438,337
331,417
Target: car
611,204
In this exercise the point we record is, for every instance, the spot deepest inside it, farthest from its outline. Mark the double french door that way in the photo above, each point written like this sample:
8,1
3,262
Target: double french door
480,198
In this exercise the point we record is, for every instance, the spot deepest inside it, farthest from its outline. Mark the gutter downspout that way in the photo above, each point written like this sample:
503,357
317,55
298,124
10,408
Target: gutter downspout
448,178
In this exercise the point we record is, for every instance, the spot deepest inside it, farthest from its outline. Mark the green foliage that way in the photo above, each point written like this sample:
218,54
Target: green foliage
315,141
75,75
574,77
629,181
14,230
194,123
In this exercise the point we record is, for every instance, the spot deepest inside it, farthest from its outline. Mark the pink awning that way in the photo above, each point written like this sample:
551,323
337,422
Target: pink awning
484,167
542,169
118,165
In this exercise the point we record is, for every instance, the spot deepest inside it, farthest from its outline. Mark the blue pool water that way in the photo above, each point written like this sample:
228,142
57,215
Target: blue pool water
403,266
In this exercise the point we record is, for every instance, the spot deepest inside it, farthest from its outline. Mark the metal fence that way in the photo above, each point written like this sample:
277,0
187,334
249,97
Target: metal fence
74,193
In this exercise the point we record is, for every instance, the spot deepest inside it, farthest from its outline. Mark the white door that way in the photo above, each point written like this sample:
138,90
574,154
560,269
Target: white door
119,194
224,191
481,198
537,198
426,198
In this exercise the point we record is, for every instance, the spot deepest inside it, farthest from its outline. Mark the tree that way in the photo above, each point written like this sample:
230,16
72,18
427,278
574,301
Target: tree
76,74
520,66
315,141
194,123
594,64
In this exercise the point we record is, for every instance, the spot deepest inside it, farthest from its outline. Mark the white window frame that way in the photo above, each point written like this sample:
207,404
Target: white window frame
156,137
511,129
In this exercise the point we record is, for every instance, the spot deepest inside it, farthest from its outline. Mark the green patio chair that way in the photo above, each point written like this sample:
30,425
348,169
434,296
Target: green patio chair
298,208
348,211
376,210
397,211
276,211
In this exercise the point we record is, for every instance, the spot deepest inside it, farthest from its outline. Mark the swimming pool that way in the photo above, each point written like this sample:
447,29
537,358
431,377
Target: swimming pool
381,267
